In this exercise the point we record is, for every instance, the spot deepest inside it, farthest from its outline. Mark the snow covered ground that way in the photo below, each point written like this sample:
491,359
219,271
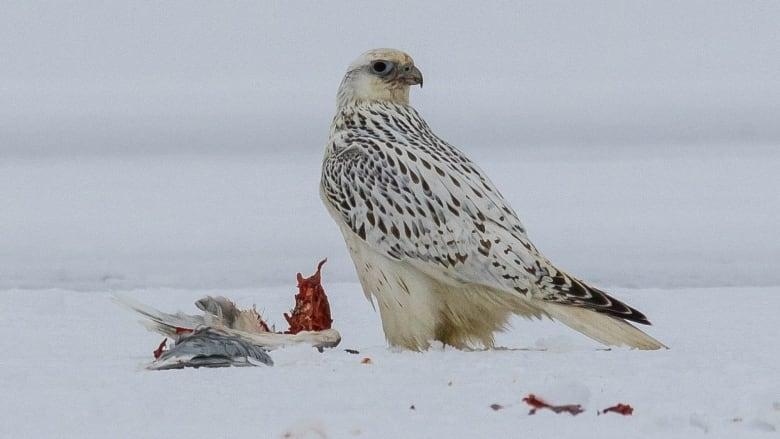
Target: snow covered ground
72,367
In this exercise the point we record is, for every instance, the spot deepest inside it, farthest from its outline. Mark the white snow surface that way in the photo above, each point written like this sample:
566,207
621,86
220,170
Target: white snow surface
72,367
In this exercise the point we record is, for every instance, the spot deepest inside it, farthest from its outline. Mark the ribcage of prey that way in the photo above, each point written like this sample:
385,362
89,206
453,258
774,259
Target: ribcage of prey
416,198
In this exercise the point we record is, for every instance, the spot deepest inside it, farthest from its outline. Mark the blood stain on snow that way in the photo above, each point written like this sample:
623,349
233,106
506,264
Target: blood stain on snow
538,404
620,408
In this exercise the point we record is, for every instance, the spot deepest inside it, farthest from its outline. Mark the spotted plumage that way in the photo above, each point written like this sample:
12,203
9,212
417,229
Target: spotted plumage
432,239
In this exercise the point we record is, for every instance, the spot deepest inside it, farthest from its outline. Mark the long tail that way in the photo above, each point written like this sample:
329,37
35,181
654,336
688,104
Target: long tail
603,328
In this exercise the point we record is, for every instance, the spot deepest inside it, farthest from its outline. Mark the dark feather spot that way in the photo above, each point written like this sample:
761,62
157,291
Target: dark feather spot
362,231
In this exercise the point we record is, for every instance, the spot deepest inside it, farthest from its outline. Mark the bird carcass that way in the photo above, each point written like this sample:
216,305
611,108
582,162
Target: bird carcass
225,335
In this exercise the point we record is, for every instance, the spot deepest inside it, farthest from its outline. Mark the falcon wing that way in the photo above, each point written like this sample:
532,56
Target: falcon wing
444,218
432,207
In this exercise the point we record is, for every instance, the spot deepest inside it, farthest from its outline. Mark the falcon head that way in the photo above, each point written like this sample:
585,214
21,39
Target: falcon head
380,75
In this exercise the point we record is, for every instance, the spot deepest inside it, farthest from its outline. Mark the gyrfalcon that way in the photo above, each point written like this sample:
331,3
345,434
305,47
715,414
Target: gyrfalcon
432,239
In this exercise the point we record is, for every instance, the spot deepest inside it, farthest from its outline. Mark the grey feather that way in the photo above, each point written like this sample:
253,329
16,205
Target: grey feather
208,347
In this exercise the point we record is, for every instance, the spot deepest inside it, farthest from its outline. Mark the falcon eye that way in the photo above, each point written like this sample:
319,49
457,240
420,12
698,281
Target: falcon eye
381,67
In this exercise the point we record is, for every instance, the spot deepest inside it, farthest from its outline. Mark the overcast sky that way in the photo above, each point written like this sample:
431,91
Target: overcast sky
232,77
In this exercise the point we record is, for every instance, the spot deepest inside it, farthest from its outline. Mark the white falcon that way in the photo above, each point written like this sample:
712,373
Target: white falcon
432,239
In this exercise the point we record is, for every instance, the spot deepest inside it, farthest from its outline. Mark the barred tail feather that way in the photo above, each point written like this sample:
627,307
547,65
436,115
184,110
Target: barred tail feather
606,329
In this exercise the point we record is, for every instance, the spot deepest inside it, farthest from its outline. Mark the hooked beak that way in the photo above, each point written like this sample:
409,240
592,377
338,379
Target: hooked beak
411,75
